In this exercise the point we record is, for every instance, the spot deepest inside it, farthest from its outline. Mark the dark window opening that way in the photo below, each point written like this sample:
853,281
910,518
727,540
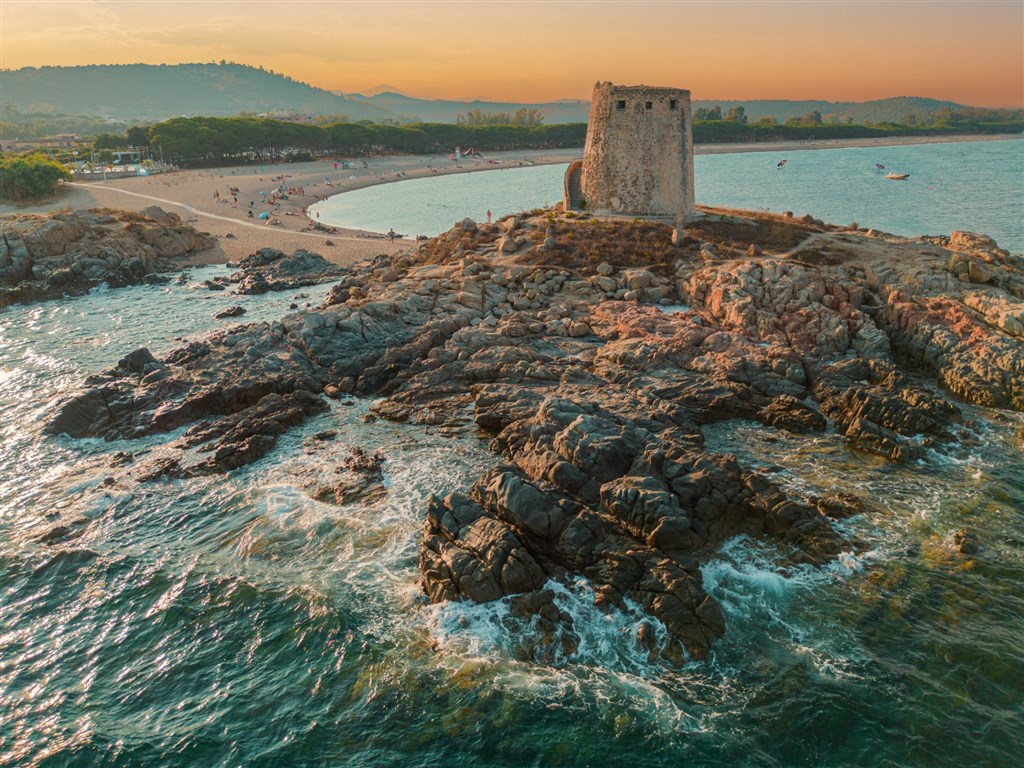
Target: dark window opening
620,104
649,105
671,103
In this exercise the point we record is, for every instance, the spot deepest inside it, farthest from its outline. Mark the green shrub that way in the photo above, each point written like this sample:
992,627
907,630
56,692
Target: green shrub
29,177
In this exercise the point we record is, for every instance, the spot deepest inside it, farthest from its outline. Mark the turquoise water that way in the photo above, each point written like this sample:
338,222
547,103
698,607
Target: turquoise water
432,205
978,186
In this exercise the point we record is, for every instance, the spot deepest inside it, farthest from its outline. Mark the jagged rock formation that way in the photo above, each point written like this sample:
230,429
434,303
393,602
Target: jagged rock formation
593,353
272,270
46,256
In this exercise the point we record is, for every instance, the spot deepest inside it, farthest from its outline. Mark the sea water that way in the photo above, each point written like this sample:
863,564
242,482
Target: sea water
235,621
977,186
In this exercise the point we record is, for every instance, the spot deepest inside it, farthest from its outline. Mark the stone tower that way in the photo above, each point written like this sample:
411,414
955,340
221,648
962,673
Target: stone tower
638,158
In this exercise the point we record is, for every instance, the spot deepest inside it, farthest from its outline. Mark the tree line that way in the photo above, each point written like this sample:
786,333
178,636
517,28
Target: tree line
207,141
711,126
32,125
203,140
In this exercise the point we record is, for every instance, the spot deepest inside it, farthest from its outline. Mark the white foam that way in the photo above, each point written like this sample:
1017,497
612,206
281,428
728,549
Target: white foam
606,640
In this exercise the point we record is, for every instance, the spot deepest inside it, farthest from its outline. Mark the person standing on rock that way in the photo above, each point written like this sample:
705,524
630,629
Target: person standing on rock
488,216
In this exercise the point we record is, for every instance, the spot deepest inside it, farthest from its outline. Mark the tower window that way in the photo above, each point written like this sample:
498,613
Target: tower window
671,103
648,105
620,104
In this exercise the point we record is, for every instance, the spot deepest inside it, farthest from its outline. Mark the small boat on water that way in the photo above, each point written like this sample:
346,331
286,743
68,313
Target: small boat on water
897,176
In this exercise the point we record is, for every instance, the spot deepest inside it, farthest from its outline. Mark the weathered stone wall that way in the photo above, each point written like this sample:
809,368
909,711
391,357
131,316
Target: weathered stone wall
638,157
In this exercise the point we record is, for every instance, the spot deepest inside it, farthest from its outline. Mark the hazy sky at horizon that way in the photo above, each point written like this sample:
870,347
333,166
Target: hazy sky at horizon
840,50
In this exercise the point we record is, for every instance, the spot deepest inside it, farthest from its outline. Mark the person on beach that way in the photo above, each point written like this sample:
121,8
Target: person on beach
488,216
391,235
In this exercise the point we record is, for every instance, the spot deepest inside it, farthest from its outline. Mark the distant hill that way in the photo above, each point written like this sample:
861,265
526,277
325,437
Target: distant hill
577,111
157,92
382,88
877,111
146,92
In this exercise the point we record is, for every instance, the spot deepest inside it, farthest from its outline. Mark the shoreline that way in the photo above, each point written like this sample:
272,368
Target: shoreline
202,197
889,141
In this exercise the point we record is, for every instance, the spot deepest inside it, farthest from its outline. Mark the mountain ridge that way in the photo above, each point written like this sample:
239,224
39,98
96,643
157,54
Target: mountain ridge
151,92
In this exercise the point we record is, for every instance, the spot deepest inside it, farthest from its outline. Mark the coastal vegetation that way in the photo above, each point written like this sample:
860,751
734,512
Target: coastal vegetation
29,177
18,124
212,140
711,127
198,141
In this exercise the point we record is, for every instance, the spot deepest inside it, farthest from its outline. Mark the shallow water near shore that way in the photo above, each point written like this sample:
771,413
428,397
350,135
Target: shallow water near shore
967,185
234,620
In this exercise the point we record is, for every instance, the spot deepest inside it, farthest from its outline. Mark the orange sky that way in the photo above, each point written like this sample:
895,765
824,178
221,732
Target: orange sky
969,52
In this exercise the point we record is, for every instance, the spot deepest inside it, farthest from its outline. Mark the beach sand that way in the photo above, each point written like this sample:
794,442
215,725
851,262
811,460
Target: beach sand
190,194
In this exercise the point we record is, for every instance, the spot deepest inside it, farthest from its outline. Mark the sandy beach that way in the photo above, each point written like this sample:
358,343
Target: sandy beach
205,199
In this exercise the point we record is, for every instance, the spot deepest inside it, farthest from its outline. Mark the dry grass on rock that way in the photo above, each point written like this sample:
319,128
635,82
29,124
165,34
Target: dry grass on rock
587,242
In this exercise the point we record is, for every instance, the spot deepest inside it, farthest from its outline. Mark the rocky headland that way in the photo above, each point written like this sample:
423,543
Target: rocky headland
48,256
591,353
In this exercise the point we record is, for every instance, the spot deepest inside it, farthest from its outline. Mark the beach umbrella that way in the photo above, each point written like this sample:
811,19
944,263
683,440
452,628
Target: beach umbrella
265,215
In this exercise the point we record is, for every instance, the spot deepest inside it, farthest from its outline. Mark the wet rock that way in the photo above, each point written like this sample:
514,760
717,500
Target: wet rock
544,633
786,412
230,312
47,256
965,542
360,461
839,505
360,489
270,269
468,554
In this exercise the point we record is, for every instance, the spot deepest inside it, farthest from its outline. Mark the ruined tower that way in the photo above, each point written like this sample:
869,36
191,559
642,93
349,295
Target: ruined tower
638,158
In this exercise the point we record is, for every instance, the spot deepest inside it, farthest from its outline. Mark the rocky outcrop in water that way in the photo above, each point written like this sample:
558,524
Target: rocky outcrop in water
66,254
272,270
592,354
